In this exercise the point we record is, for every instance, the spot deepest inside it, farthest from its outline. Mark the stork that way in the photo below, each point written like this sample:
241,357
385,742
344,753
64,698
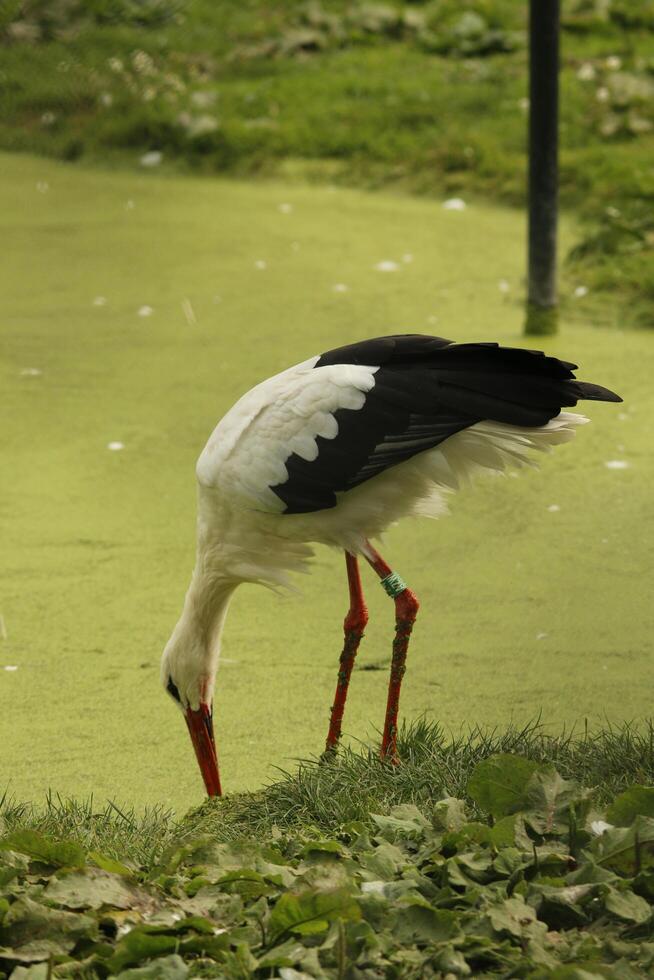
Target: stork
333,451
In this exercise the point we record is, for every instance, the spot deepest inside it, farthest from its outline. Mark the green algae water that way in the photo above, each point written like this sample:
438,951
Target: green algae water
136,309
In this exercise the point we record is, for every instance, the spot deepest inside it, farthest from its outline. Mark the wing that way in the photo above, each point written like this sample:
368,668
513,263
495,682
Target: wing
425,390
290,416
298,440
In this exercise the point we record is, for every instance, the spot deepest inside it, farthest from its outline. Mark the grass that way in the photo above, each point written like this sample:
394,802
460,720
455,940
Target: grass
434,765
120,832
324,797
228,88
525,609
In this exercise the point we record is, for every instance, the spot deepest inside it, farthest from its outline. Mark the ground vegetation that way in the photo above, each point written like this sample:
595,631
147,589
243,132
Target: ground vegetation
428,98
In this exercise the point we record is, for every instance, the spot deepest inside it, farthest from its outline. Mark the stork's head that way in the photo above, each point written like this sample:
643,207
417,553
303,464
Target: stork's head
185,677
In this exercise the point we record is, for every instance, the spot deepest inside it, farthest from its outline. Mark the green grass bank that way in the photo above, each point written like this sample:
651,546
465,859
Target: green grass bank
428,97
136,309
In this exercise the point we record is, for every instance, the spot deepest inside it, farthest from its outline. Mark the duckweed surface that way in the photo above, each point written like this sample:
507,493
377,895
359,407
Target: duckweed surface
136,309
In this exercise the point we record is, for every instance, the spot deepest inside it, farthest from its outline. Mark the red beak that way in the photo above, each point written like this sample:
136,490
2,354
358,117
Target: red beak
200,726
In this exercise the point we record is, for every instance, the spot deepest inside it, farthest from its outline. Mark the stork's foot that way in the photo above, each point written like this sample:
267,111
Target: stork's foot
328,755
391,758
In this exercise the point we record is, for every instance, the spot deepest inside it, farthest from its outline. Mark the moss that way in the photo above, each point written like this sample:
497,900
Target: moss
541,321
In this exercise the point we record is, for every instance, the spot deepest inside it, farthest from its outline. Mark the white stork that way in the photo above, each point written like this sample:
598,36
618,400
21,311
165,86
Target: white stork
333,451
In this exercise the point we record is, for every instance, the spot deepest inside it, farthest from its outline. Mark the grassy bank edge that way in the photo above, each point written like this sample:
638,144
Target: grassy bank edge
324,796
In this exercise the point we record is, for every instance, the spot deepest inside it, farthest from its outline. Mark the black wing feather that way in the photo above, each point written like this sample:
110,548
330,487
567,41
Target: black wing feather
427,389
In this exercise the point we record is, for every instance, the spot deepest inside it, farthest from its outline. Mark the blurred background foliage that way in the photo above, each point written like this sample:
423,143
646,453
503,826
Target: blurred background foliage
429,98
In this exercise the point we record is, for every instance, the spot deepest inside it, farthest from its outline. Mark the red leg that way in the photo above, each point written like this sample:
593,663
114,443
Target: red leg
406,610
354,625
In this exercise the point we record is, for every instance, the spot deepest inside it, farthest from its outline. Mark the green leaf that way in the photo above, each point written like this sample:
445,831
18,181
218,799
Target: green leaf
635,801
551,800
589,873
39,848
452,963
139,945
626,850
319,847
249,884
109,864
384,862
470,833
7,875
193,886
91,890
410,812
404,822
510,861
475,864
498,784
311,911
284,956
468,873
40,971
34,931
449,814
561,907
238,964
165,968
643,884
172,858
35,951
577,973
503,833
422,923
289,973
214,903
212,946
625,905
512,916
194,923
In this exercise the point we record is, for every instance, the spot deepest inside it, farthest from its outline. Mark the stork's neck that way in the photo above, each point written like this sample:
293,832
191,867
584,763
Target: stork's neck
191,654
205,606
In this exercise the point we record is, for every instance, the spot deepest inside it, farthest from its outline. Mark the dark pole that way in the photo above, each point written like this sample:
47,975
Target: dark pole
543,164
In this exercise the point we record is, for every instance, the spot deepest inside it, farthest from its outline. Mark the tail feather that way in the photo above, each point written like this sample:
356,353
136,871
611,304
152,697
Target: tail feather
509,385
595,393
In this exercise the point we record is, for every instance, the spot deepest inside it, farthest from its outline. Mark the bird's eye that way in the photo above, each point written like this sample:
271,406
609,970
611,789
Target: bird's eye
172,690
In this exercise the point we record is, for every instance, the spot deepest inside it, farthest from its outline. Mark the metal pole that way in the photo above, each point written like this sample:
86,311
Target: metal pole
543,165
